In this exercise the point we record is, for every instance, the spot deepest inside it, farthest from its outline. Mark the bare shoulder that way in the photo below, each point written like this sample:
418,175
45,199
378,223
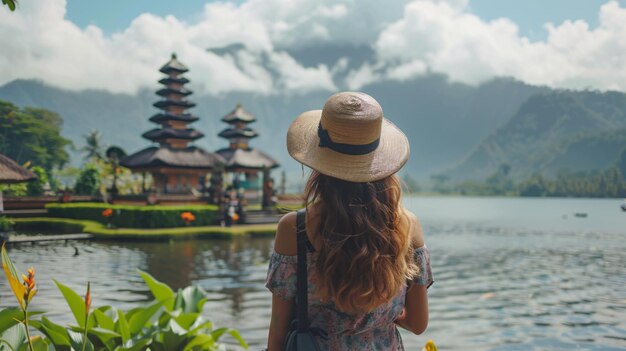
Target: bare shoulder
286,242
415,228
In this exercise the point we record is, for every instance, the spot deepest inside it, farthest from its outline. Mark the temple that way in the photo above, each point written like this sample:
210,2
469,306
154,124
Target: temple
244,162
176,166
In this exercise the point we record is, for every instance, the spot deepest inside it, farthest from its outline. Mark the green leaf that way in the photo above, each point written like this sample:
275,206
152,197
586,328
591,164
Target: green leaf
39,344
13,277
104,335
58,338
186,320
78,339
161,291
76,303
200,324
15,336
9,3
173,339
139,346
193,298
200,340
9,317
217,333
51,325
102,320
122,327
140,318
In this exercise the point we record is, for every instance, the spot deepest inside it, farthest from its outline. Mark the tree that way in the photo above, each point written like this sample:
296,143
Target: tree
37,187
94,147
88,182
499,182
621,164
535,186
32,135
113,156
440,181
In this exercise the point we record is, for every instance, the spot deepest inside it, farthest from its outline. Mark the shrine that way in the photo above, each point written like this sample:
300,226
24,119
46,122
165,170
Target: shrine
243,162
176,166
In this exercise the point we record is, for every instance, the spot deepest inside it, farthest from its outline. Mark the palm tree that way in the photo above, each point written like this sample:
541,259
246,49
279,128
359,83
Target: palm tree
113,156
94,146
10,3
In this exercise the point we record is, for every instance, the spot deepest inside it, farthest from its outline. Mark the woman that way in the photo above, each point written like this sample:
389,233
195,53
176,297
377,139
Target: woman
368,268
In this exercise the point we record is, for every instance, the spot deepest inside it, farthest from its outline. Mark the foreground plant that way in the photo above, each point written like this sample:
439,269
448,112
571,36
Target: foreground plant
430,346
24,291
172,321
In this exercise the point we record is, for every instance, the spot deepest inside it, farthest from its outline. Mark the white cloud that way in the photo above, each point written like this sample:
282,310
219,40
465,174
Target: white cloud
364,75
409,39
448,39
44,45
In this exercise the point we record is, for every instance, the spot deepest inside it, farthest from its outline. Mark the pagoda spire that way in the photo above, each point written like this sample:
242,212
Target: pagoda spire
238,134
176,167
173,118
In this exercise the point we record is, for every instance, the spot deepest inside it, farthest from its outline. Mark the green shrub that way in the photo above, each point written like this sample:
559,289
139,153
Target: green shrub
129,216
88,182
36,187
6,224
49,225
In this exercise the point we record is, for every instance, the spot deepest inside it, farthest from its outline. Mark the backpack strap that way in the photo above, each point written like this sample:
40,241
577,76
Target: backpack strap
302,302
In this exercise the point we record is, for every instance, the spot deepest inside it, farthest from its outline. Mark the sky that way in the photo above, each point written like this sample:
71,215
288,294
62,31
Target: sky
118,45
530,15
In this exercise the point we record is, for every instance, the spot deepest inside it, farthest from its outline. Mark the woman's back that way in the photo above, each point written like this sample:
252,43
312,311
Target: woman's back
337,329
367,269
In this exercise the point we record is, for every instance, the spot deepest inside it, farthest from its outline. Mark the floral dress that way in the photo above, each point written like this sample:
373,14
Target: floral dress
375,330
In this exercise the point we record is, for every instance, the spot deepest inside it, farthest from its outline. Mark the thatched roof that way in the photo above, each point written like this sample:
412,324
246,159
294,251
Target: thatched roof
164,104
246,158
174,80
165,116
190,157
11,172
168,91
239,114
229,133
173,65
172,133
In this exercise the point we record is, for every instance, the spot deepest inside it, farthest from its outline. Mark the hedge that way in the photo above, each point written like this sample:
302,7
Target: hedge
130,216
57,225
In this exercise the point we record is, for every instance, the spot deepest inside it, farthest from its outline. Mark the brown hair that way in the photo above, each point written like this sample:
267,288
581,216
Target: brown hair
366,252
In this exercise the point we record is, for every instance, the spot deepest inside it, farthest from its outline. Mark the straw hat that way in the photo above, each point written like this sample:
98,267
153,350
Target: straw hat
349,139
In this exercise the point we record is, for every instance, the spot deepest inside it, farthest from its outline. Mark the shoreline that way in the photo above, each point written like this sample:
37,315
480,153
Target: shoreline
46,225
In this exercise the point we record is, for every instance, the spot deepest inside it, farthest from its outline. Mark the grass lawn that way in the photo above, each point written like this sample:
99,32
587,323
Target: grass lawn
66,226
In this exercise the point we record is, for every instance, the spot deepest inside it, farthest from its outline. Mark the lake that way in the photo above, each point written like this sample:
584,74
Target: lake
510,274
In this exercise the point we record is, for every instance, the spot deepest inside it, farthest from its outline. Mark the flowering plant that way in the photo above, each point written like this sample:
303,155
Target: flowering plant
172,321
187,217
107,213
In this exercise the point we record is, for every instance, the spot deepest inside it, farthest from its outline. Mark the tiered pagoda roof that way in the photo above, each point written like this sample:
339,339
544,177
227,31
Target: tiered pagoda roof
229,133
239,114
190,157
174,133
246,159
239,155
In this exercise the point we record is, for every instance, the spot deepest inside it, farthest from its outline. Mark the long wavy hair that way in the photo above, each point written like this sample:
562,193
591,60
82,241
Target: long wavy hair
366,252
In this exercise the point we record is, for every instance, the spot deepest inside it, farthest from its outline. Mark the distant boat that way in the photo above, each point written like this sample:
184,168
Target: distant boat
580,214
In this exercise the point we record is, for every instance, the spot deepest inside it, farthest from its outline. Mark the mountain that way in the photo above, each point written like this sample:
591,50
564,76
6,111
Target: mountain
442,119
553,132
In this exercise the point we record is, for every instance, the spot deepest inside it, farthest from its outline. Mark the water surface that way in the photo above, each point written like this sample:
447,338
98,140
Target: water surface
510,274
